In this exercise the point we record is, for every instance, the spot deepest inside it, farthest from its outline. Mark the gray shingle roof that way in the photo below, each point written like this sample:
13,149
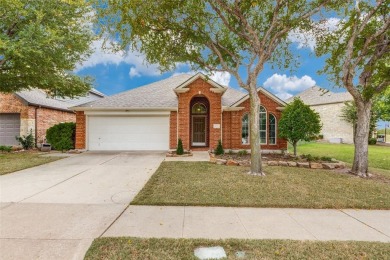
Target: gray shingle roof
159,94
40,98
92,95
317,96
231,96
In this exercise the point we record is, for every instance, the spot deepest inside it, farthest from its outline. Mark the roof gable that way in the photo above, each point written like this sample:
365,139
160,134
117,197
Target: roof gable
216,88
263,91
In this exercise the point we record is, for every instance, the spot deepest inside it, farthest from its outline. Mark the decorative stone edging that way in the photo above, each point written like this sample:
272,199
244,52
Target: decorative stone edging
312,165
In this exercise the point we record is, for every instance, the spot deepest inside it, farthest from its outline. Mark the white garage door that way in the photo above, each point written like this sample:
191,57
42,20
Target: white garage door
128,133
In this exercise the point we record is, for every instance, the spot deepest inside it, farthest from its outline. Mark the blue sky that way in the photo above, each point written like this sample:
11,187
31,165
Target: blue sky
117,72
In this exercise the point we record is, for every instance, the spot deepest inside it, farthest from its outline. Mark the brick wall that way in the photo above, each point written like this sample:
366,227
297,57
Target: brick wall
333,125
173,130
10,103
232,125
80,130
199,88
47,118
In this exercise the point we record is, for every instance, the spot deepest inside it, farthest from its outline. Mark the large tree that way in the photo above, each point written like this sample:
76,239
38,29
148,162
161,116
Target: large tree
40,44
239,37
359,60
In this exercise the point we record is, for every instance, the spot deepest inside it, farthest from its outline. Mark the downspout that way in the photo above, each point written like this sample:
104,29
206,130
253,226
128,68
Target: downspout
36,126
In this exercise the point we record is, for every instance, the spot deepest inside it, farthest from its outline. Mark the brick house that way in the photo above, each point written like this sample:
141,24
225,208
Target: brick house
34,111
191,107
329,106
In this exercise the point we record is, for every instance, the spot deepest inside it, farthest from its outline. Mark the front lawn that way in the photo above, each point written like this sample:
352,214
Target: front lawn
378,156
165,248
12,162
206,184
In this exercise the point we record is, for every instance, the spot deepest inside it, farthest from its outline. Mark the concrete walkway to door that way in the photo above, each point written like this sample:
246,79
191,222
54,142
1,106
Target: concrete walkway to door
54,211
197,156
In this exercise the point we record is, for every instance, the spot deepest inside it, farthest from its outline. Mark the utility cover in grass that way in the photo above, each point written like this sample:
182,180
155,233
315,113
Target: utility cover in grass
216,252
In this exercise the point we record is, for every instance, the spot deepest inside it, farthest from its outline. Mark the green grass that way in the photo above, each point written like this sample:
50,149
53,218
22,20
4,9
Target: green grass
165,248
206,184
12,162
378,156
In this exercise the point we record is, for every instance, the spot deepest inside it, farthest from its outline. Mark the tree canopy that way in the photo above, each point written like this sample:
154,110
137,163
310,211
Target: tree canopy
358,58
382,105
239,37
40,44
299,122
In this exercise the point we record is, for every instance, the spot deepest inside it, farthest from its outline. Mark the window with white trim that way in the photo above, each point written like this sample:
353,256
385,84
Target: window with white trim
199,108
245,129
263,125
272,129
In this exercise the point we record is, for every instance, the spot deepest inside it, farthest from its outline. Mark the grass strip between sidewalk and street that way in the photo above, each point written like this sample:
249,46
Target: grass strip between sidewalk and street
165,248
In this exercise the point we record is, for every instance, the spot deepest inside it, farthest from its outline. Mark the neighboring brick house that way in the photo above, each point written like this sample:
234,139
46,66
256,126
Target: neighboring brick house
329,106
191,107
34,111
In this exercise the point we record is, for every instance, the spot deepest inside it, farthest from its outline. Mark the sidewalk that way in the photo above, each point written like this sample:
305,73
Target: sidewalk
252,223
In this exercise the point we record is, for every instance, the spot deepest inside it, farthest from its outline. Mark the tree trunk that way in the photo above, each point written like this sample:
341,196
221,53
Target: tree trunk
360,162
256,166
295,148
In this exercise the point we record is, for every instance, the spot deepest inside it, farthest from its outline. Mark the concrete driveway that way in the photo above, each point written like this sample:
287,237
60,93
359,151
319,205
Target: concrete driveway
54,211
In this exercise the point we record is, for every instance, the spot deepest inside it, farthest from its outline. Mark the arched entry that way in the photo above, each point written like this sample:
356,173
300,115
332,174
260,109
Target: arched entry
199,130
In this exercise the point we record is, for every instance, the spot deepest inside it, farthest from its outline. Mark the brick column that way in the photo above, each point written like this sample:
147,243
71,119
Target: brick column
80,130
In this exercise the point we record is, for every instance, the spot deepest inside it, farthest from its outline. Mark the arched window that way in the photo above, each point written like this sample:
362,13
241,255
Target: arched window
245,129
263,125
199,108
272,129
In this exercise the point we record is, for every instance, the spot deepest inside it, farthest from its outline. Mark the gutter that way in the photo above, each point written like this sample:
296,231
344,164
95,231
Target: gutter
126,109
36,126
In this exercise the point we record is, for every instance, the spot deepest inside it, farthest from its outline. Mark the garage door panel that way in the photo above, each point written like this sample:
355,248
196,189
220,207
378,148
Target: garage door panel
128,133
9,128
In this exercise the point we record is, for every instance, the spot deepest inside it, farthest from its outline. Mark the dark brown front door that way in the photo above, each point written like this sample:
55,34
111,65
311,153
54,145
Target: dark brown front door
198,130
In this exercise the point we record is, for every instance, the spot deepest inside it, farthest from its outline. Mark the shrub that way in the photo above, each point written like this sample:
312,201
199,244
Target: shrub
4,148
61,136
326,158
230,152
27,141
310,157
320,137
372,141
219,150
242,152
179,149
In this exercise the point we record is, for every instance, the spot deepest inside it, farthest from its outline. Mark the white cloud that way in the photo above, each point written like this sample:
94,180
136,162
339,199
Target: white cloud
221,77
307,39
136,60
134,72
284,87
